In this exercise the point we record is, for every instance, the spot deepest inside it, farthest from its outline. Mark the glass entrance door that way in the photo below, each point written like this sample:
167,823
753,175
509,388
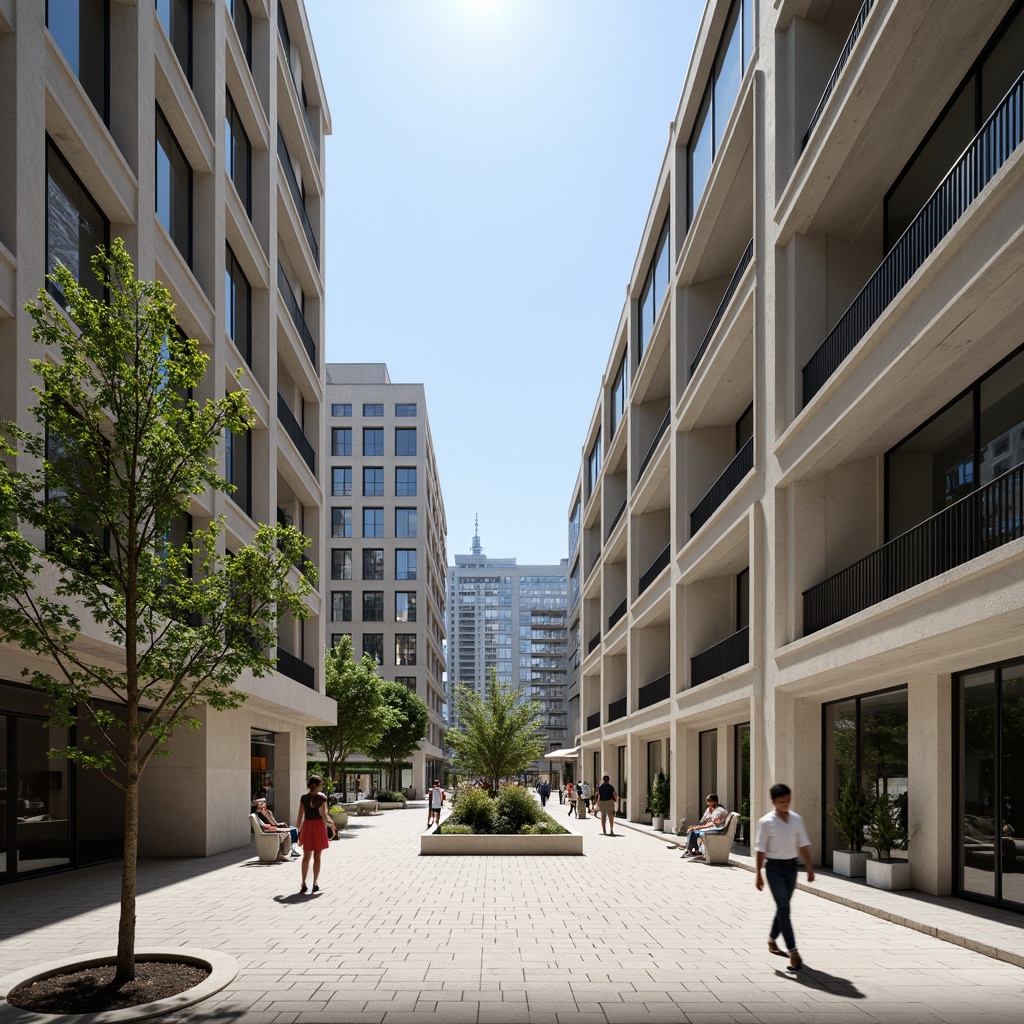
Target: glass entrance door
621,785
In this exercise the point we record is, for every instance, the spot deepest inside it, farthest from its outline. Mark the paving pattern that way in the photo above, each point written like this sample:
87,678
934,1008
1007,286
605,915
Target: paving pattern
628,933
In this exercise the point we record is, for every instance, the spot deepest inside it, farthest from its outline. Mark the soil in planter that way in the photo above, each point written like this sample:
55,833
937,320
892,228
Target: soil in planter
92,990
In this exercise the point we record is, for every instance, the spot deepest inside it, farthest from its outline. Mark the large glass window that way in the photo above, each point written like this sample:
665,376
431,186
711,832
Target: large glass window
80,29
405,649
74,225
405,522
701,153
373,409
405,564
373,441
173,188
341,522
341,408
239,154
653,293
405,606
405,482
341,441
238,300
373,606
728,73
238,468
341,606
242,17
373,645
373,481
594,464
708,766
405,408
176,18
341,564
373,522
341,481
373,563
574,527
405,442
619,388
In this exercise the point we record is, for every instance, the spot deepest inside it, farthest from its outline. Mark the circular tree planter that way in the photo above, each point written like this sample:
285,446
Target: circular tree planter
222,968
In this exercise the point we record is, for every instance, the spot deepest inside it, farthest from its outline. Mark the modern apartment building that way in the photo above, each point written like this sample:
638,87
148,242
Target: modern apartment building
384,579
511,619
195,131
798,531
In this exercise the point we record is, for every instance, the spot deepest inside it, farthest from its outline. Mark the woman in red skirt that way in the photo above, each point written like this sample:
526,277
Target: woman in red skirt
312,825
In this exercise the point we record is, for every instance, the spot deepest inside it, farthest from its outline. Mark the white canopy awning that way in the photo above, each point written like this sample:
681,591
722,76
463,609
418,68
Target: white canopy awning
560,755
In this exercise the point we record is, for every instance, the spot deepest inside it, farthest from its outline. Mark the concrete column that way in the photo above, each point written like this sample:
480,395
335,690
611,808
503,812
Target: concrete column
805,774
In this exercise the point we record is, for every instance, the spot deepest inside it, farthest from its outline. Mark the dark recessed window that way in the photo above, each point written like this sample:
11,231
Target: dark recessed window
405,522
405,482
173,188
373,409
373,482
238,299
373,645
619,389
594,464
341,564
405,408
405,564
373,606
405,606
80,28
341,522
373,522
341,441
176,18
239,154
341,606
242,17
373,442
341,408
405,648
405,442
336,638
341,481
373,563
238,468
653,293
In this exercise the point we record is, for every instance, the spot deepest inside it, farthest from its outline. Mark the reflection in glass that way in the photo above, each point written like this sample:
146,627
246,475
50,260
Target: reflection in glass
173,188
79,28
1011,783
42,798
741,775
1002,420
977,781
701,154
728,75
708,764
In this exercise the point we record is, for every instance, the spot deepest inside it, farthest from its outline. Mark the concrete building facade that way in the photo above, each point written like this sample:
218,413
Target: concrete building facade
383,581
195,131
797,535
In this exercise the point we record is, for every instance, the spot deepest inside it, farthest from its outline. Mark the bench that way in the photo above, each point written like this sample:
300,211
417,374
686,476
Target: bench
366,807
268,844
717,846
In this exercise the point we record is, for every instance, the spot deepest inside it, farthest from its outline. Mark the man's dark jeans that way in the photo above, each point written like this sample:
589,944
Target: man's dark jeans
781,876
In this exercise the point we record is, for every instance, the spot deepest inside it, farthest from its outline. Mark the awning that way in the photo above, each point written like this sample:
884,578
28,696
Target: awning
560,755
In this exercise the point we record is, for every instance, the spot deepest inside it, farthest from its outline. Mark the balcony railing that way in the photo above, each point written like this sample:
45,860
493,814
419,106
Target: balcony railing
653,692
300,205
654,444
730,291
741,465
617,614
732,652
654,570
295,312
844,56
616,518
986,519
990,149
295,668
593,721
286,39
594,641
294,431
617,709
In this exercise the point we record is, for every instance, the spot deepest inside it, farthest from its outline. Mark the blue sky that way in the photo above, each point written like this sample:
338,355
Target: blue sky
488,178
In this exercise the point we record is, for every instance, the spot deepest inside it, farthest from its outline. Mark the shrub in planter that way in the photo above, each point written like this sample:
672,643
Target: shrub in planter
518,808
450,829
886,829
474,808
660,798
390,797
850,814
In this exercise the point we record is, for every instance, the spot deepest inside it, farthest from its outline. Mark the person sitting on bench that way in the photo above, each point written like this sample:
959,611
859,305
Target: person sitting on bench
713,821
271,824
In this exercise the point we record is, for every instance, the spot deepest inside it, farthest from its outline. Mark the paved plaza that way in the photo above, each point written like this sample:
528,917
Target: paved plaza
628,932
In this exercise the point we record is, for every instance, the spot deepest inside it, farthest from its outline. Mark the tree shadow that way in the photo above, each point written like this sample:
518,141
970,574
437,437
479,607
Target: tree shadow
813,978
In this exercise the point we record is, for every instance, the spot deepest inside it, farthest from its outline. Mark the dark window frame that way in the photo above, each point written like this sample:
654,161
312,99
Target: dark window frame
161,117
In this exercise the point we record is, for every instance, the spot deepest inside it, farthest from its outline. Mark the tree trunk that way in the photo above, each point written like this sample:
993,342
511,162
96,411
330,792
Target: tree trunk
126,925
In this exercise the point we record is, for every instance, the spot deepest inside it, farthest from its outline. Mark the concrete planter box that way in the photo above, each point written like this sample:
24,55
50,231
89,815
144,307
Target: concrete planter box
851,863
434,844
394,806
889,874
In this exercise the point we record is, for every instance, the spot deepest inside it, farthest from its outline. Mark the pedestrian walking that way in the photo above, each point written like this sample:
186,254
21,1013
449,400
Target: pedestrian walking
570,798
780,839
435,801
544,792
311,822
606,799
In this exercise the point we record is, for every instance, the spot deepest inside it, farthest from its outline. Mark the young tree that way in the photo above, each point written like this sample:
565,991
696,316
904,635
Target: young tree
498,735
108,479
363,713
402,737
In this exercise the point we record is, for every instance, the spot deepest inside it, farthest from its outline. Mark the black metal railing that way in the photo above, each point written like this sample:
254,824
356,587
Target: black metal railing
990,149
294,430
654,444
616,518
295,312
730,653
300,205
654,570
844,56
741,465
655,691
991,516
730,291
593,721
617,614
594,641
617,709
286,39
295,668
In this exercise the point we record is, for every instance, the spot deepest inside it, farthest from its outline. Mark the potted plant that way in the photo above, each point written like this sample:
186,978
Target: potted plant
659,800
338,815
886,831
850,815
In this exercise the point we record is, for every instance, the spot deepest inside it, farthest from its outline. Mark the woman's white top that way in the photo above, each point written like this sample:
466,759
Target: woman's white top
778,839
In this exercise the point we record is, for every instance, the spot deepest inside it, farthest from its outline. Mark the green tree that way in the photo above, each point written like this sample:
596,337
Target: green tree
93,508
363,713
498,735
411,716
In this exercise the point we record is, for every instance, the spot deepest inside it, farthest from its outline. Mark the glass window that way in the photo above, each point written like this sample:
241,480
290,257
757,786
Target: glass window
341,606
405,408
341,564
405,606
405,482
373,522
341,481
373,409
405,442
574,527
745,427
341,441
80,29
373,645
341,408
336,638
405,522
176,18
242,17
74,225
373,441
743,599
173,188
700,154
619,389
373,606
373,482
238,468
708,766
748,31
373,563
341,522
594,464
239,154
728,74
238,298
405,649
1002,421
405,564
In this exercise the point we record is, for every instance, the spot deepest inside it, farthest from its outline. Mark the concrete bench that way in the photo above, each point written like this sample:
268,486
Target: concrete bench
268,844
366,807
717,847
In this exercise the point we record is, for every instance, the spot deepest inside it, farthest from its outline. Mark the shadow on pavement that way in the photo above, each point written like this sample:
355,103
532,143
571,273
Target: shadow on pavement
812,978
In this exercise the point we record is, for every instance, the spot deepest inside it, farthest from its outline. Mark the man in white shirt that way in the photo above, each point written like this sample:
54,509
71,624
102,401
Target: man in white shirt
781,837
435,801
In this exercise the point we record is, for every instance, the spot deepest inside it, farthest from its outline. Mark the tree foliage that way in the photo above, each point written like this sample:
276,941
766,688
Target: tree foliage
363,713
94,540
411,716
498,735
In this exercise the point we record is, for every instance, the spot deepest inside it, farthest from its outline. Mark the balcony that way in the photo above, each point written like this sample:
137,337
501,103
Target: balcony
594,641
730,653
988,518
654,444
617,614
593,721
300,205
655,692
293,429
617,709
286,39
295,668
295,311
1001,134
844,56
615,519
741,465
654,570
730,291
